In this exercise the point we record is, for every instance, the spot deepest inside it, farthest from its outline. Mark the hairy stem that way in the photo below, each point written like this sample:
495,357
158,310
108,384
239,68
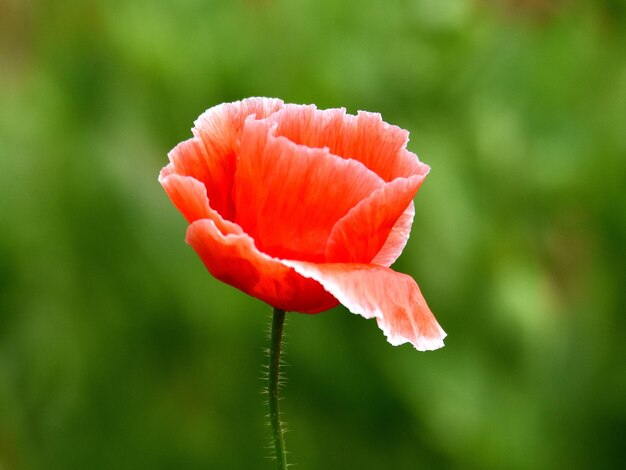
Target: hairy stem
274,373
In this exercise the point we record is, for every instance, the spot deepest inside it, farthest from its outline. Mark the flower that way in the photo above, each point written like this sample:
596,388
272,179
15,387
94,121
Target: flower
304,209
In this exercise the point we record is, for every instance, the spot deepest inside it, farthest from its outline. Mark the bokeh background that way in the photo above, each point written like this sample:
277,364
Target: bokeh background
119,351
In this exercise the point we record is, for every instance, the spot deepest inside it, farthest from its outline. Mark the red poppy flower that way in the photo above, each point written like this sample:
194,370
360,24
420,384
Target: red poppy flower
304,209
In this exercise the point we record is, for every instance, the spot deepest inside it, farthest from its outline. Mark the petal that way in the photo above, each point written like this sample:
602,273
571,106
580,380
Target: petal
378,292
360,235
233,258
189,197
210,156
366,138
398,237
288,197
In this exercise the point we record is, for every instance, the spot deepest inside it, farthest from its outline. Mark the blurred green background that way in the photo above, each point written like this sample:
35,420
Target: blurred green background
119,351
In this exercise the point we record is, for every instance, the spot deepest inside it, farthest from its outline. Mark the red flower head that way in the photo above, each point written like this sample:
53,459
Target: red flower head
304,209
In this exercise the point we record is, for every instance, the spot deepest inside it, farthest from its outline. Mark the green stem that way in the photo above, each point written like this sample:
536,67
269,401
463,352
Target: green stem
274,374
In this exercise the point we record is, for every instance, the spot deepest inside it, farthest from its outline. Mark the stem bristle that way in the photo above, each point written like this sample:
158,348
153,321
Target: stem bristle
276,382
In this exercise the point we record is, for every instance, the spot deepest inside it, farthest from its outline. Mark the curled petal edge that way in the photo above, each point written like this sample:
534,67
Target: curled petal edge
360,235
190,198
234,259
398,238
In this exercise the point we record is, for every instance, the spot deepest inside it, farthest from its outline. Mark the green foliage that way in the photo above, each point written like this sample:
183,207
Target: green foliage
119,351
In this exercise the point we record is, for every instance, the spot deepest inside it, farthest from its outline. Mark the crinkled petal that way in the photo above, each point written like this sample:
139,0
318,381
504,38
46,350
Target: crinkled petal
210,157
378,292
288,197
366,138
359,236
233,258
